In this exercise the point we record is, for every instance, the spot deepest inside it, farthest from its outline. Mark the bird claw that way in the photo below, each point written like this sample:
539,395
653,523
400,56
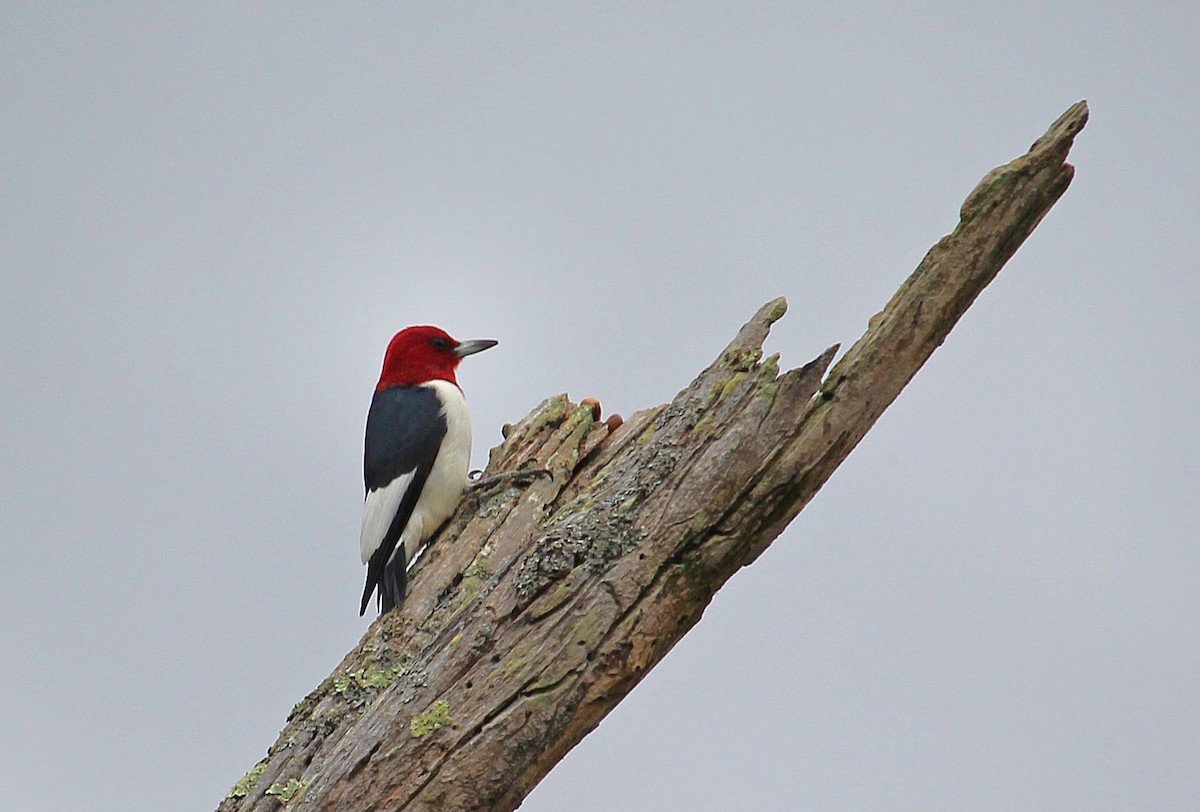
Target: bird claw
523,476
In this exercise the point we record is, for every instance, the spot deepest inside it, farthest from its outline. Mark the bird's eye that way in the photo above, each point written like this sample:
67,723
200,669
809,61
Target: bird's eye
440,344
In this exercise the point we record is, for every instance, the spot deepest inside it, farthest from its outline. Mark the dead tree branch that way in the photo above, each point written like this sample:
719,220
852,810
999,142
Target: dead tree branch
542,603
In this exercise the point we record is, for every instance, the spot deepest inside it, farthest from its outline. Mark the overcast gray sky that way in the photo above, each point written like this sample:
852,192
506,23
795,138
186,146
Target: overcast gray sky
216,215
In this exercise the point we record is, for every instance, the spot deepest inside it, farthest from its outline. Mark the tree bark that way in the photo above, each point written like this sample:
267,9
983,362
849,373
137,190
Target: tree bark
543,602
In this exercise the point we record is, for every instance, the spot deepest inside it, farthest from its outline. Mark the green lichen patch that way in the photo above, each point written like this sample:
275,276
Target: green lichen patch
769,368
371,677
285,792
730,386
777,308
768,377
741,359
553,412
378,677
579,421
704,427
246,783
437,716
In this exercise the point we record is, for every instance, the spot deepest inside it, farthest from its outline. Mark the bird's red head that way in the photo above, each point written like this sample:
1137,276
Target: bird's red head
424,353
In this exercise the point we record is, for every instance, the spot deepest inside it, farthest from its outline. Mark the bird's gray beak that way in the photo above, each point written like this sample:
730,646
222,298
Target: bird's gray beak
466,348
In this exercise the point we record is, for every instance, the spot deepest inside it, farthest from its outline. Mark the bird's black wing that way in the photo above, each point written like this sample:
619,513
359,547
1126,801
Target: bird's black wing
405,428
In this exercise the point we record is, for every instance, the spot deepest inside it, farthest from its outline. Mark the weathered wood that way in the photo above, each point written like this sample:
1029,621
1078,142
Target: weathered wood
541,604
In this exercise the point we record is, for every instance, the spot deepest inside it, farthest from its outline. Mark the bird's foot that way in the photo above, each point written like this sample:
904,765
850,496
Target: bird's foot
522,476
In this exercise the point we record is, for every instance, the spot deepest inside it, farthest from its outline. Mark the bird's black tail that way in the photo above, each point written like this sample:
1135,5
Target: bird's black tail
391,579
367,590
393,584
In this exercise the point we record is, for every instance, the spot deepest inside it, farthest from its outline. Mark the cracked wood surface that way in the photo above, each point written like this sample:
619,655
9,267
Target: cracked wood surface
543,602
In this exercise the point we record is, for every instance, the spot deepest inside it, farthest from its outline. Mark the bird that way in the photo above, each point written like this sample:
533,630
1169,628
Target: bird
416,455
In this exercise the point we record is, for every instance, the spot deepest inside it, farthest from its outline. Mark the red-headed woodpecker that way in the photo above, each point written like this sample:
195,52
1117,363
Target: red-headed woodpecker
418,449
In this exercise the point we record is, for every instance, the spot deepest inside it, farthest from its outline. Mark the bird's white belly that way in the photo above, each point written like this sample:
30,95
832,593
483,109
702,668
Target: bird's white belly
448,478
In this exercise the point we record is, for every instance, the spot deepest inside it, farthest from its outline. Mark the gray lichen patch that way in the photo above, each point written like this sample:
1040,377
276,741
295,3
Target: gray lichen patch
597,526
591,538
